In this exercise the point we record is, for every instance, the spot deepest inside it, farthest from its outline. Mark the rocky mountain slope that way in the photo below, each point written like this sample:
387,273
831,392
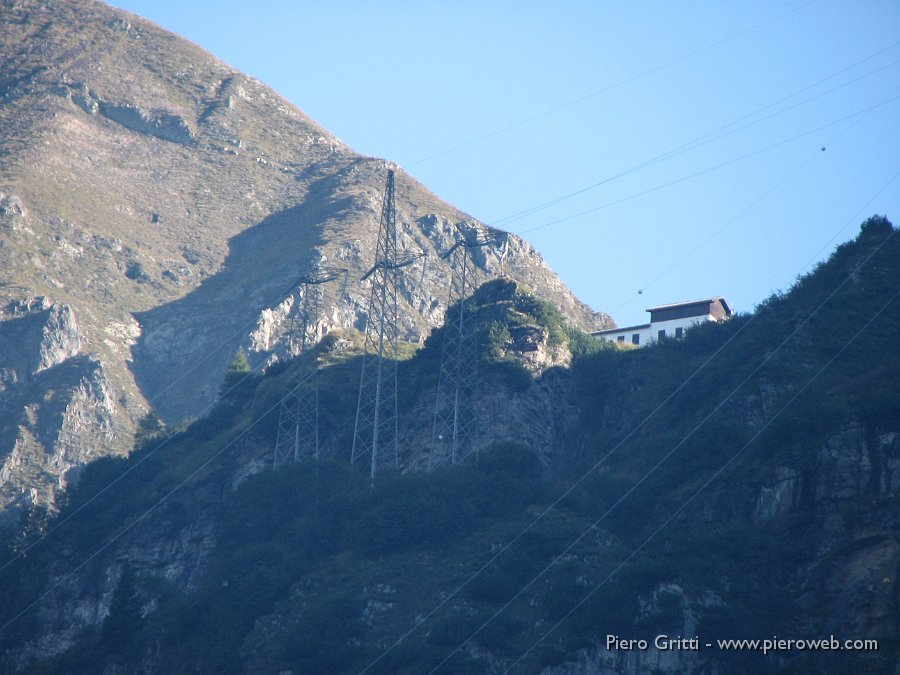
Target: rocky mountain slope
155,204
742,483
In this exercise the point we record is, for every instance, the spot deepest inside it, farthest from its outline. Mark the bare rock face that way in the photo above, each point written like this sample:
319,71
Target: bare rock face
524,393
84,599
162,124
169,201
58,409
12,212
602,661
846,587
861,463
541,416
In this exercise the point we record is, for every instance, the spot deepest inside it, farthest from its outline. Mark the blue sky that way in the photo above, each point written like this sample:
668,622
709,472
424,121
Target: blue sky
499,107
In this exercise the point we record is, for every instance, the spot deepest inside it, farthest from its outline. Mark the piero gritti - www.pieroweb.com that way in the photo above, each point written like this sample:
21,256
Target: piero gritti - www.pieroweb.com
765,645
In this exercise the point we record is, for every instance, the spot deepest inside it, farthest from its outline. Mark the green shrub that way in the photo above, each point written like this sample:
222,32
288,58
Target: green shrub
498,338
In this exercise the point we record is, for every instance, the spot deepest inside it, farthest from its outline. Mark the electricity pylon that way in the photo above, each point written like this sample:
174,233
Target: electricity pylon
298,419
455,428
375,429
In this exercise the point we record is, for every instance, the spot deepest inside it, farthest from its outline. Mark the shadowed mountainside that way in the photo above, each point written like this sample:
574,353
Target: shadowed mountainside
741,483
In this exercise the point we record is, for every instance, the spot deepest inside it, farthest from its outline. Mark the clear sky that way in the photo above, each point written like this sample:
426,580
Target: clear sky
784,119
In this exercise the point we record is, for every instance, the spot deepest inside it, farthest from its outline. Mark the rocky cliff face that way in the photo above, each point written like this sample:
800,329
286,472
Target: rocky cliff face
57,407
847,584
168,202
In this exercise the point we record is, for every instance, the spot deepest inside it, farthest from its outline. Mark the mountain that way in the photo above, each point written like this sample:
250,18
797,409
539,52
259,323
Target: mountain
155,205
740,484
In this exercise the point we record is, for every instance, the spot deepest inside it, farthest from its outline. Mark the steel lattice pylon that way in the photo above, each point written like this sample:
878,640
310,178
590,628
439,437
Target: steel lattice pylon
375,429
298,419
455,431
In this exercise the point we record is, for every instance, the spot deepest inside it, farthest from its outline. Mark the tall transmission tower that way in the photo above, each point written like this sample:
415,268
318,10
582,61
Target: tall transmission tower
375,429
455,428
298,418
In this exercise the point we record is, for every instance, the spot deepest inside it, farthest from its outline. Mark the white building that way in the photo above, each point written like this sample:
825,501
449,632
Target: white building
669,321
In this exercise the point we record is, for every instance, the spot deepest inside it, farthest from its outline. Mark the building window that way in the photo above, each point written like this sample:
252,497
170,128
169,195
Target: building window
661,335
679,332
621,338
636,339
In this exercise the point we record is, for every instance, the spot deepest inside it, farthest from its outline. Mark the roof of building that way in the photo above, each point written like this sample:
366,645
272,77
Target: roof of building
673,305
619,330
692,302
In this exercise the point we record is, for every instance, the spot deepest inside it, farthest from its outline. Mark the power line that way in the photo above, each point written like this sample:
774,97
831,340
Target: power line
559,500
68,517
568,491
749,207
142,459
712,478
836,234
706,138
208,354
610,87
271,409
768,357
711,168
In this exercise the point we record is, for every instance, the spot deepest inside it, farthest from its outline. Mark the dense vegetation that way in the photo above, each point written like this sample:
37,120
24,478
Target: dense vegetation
313,570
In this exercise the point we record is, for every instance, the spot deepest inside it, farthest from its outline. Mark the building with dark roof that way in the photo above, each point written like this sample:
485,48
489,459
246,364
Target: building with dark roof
669,321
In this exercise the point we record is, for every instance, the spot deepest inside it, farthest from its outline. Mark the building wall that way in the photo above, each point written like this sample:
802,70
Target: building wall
671,326
650,334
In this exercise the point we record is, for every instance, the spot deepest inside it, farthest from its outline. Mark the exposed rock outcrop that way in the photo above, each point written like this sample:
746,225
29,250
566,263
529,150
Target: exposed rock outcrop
164,125
57,407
